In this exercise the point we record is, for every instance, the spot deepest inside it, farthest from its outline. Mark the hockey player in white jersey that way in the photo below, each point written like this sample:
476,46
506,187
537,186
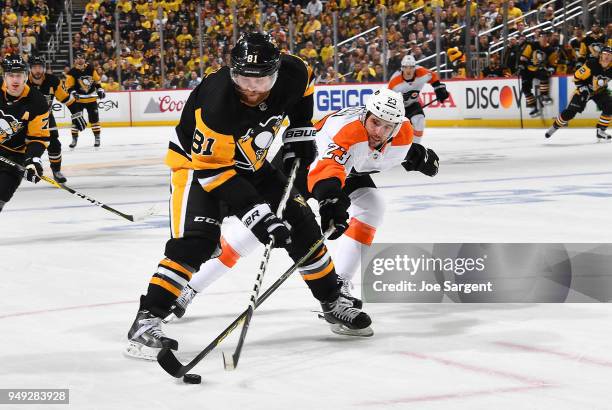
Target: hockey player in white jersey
352,143
409,82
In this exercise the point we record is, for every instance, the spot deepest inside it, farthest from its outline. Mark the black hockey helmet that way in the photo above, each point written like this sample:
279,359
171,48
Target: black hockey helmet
255,55
14,63
38,60
607,49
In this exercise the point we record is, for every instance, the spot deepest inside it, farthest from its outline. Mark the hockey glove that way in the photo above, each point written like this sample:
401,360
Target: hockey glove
551,70
78,121
101,93
299,143
441,92
421,159
333,206
264,225
33,169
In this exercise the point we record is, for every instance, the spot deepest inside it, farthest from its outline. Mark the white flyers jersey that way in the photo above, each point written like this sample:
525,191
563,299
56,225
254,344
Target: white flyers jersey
342,141
410,89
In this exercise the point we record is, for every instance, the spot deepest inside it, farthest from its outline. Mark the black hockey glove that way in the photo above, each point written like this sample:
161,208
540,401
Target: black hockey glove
33,169
421,159
101,93
78,121
441,92
264,224
299,143
333,206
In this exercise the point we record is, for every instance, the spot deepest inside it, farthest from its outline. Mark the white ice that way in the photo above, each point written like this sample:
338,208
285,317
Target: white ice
72,274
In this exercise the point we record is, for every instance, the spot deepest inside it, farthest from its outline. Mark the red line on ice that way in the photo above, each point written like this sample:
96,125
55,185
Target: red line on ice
570,356
37,312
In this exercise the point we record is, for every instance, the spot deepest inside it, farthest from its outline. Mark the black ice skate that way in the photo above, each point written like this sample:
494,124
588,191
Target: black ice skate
345,291
344,319
59,177
602,135
551,131
181,303
534,112
73,144
96,141
146,338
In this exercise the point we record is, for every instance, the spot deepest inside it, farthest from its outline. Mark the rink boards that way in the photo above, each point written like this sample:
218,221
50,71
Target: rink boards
472,103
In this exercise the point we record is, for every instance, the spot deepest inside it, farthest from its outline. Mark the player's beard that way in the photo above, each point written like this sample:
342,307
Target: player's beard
252,99
37,77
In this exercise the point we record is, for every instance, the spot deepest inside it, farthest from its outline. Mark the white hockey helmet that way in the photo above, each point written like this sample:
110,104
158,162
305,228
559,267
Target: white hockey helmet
408,61
387,105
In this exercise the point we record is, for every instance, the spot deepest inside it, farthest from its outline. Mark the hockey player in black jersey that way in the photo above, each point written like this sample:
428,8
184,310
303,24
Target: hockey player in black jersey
51,87
537,62
24,127
591,84
83,83
218,159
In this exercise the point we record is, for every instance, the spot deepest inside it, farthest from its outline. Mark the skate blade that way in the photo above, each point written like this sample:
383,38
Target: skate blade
345,331
171,318
140,351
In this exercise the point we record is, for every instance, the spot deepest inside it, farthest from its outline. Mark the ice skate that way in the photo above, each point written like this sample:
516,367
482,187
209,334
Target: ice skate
59,177
73,144
346,320
534,112
551,131
602,135
96,141
345,291
181,303
546,100
146,337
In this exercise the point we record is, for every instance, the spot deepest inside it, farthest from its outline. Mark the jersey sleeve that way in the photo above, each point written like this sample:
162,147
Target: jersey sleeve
300,114
333,160
582,76
61,94
37,135
526,54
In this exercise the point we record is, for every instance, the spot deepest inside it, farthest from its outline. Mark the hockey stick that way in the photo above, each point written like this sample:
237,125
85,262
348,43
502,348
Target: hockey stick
230,362
166,357
429,103
520,99
131,218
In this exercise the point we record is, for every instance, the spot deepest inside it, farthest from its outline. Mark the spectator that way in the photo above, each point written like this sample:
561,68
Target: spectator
314,8
311,26
194,80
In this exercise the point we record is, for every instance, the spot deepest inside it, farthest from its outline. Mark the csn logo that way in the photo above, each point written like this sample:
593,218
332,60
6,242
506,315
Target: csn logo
335,99
482,98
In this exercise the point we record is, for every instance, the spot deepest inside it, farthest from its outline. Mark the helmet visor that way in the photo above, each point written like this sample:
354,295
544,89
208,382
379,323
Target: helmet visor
254,84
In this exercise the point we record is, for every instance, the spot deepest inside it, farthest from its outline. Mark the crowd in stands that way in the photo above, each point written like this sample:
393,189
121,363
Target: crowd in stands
24,25
304,27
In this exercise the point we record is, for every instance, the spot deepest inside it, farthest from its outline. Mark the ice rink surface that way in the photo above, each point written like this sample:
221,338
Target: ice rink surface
72,274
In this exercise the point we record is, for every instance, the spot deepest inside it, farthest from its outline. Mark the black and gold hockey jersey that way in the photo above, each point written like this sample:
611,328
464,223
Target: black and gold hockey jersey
537,57
594,76
51,87
586,46
85,81
24,122
224,139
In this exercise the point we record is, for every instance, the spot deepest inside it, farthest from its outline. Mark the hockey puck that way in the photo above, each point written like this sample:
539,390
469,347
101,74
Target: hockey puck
192,378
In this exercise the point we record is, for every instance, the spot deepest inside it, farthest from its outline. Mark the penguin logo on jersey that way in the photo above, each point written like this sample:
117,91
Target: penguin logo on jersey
254,144
85,82
539,57
9,126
